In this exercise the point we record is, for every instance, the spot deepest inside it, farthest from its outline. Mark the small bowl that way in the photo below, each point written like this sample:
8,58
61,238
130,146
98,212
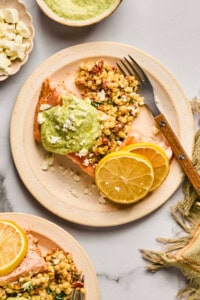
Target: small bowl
27,19
77,23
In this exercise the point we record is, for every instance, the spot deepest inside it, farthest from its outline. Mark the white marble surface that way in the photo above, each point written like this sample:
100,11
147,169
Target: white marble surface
167,30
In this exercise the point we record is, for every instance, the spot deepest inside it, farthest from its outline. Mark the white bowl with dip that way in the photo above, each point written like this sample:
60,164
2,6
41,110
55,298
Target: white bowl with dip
21,38
78,13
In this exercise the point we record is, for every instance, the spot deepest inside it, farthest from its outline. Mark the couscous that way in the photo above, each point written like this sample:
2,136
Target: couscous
116,97
58,282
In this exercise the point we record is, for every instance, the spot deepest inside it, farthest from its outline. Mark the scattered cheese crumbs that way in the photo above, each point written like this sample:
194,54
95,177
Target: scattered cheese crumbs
22,29
47,162
72,117
4,61
40,119
44,165
11,15
103,117
65,172
76,177
82,152
101,95
14,39
50,160
54,139
86,162
44,107
102,200
73,193
71,172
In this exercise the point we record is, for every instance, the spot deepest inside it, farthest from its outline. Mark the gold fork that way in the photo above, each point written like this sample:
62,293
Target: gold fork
129,66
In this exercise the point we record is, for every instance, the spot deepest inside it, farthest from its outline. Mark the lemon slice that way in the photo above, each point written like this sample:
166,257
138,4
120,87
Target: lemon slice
158,158
13,246
124,177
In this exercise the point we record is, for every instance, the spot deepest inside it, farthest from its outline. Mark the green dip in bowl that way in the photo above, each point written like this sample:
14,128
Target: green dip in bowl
78,12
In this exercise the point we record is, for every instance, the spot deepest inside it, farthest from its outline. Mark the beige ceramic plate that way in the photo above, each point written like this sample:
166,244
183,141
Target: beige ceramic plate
27,19
51,236
77,23
58,189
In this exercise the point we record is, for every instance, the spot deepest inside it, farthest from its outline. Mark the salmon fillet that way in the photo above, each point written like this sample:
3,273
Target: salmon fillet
32,263
50,94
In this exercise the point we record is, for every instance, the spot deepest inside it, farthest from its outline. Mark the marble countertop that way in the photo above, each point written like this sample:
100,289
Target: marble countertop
167,30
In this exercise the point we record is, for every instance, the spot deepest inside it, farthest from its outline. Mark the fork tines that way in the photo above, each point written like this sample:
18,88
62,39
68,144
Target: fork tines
131,67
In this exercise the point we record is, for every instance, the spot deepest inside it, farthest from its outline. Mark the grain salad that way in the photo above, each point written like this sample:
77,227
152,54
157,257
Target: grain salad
60,279
115,97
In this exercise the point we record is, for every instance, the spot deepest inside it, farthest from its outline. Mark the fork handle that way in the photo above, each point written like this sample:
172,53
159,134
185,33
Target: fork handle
179,152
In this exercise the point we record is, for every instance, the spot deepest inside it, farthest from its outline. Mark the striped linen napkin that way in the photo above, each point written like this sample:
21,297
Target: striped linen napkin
183,252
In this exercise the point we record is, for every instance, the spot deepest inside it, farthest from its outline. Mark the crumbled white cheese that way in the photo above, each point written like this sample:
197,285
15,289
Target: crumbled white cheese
65,172
101,95
57,112
47,162
40,119
14,35
57,127
72,117
82,142
11,15
73,193
72,128
76,177
102,199
44,106
86,162
50,160
82,152
22,29
4,61
44,165
103,116
54,139
67,124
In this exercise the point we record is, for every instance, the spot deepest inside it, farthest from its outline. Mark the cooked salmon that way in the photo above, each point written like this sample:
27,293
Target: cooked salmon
32,263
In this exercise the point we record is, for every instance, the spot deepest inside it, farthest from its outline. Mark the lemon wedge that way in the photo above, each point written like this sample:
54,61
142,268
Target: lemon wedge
13,246
124,177
157,157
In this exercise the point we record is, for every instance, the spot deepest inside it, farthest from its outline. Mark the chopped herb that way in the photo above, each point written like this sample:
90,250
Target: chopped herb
96,104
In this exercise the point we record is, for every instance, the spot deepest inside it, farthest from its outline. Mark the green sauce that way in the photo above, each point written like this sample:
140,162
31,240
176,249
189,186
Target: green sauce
72,127
79,9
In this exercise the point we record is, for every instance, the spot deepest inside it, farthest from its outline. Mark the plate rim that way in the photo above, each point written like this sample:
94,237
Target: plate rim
42,230
76,49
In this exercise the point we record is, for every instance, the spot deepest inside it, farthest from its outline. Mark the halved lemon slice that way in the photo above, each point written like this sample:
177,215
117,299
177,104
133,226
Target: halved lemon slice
13,246
124,177
157,157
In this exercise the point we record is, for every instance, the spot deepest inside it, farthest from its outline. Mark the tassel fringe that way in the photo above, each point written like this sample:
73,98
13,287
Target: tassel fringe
186,213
